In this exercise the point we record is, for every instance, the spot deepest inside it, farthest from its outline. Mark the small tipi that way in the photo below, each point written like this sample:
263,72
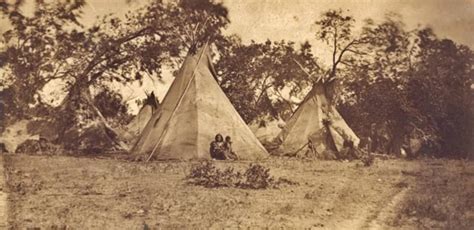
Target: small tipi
266,129
193,111
316,122
135,127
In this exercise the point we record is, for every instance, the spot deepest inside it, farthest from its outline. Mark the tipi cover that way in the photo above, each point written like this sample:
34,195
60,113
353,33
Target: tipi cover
267,129
135,127
316,121
193,111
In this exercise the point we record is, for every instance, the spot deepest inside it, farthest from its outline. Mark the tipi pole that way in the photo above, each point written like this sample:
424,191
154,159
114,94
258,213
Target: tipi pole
302,147
306,72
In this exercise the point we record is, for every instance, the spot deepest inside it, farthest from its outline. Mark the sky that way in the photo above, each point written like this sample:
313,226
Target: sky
282,19
292,19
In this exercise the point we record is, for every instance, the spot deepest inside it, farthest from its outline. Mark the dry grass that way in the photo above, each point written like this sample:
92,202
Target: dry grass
443,197
86,193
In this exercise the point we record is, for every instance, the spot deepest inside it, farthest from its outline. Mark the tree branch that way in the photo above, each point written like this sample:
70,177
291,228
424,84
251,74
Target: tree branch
302,68
98,58
356,52
288,102
264,87
335,47
345,49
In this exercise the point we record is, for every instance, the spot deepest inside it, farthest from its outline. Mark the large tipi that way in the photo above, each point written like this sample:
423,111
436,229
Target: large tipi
316,122
193,111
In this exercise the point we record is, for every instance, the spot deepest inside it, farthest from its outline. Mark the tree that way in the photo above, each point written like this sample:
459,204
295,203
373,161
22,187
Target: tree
43,47
335,30
254,76
112,107
411,85
52,44
377,81
440,88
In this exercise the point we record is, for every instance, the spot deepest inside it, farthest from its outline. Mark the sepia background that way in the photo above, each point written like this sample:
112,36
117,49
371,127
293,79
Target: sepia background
341,114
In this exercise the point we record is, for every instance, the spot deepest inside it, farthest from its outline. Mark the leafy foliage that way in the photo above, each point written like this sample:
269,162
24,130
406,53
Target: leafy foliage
254,76
440,89
40,146
37,46
112,106
335,30
52,45
209,176
411,85
258,177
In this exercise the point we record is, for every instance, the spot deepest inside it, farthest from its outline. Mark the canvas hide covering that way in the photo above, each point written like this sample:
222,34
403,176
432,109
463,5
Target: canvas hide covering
193,111
131,132
307,124
268,131
139,122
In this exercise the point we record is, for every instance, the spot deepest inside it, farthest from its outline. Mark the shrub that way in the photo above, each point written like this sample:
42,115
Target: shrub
254,177
41,146
257,177
209,176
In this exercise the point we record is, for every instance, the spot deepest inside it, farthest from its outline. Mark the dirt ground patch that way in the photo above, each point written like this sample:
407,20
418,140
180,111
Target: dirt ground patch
87,193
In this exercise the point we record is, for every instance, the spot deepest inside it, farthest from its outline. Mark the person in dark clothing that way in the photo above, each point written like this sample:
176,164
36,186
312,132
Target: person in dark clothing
217,149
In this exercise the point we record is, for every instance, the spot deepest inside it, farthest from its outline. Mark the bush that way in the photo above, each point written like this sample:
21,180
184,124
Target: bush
257,177
41,146
209,176
254,177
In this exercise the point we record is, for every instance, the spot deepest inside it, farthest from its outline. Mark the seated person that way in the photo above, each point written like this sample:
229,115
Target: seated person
349,152
229,154
217,148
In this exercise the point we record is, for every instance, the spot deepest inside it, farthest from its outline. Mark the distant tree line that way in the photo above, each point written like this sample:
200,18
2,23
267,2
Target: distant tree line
391,84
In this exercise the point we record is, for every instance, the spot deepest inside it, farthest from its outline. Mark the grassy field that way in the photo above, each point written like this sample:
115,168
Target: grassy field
57,192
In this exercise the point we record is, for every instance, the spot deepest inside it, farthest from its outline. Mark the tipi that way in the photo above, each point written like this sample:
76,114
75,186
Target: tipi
193,111
318,124
267,129
75,125
85,128
135,127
